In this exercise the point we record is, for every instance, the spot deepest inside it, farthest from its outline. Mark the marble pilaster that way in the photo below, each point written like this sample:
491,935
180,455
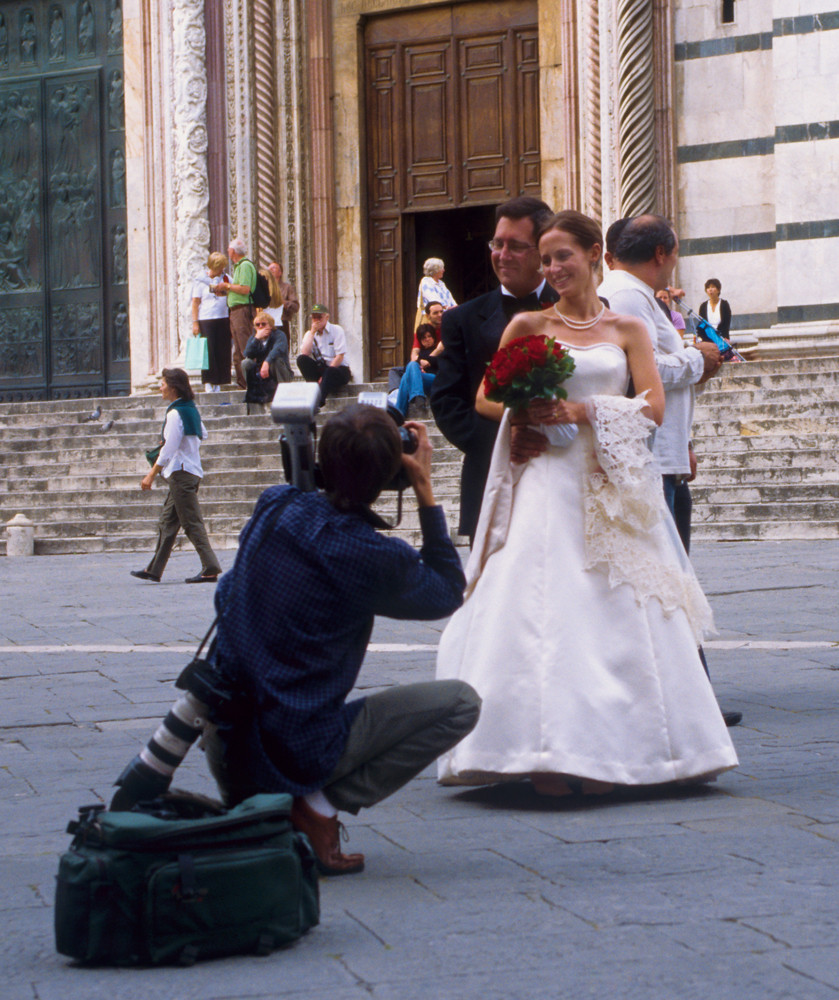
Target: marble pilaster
166,143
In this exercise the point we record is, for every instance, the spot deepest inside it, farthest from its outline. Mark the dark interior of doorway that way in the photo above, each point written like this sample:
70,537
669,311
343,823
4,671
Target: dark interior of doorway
459,237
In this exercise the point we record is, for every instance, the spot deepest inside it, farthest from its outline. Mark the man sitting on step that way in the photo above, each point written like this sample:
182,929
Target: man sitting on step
323,352
296,658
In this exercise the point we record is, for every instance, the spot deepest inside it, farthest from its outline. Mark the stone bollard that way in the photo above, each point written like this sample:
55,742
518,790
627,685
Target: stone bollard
20,539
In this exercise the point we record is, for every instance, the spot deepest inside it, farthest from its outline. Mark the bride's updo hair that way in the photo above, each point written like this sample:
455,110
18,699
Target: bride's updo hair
584,230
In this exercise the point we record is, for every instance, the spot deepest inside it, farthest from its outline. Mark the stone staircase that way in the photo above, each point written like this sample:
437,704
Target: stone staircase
764,433
766,436
80,483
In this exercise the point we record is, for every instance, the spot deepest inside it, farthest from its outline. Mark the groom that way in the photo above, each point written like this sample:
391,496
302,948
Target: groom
471,333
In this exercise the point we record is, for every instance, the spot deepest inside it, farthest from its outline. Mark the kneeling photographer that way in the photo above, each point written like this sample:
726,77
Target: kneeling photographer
295,615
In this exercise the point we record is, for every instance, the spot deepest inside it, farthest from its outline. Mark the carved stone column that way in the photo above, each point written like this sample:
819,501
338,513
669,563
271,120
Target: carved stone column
591,194
570,101
166,161
265,120
292,121
324,238
635,107
665,132
190,190
241,179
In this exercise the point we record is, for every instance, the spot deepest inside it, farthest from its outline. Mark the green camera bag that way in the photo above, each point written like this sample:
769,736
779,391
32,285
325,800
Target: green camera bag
138,888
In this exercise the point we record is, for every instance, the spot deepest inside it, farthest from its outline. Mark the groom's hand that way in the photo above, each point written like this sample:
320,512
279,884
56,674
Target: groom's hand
525,443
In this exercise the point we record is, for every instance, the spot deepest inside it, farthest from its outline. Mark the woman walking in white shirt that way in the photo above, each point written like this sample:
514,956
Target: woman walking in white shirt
179,460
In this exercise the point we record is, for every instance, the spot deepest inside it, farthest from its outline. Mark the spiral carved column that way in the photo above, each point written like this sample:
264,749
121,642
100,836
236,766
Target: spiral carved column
266,244
636,108
592,189
570,100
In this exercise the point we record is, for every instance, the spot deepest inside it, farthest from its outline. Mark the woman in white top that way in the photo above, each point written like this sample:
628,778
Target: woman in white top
210,319
432,288
179,460
716,310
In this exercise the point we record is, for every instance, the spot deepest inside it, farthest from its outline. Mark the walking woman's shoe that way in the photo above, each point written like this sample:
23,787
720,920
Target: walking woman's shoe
143,574
210,578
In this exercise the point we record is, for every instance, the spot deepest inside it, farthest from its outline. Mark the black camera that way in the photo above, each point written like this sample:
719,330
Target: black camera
295,406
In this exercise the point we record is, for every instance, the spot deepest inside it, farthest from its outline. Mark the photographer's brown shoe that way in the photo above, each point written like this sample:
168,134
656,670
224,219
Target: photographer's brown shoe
324,833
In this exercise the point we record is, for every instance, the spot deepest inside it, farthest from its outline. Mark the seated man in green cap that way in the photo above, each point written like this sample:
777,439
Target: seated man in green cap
323,352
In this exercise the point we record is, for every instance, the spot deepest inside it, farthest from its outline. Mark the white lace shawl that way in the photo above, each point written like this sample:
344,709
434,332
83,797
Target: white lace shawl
623,504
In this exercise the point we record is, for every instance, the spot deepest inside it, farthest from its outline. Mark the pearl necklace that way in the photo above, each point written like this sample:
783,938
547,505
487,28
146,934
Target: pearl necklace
577,324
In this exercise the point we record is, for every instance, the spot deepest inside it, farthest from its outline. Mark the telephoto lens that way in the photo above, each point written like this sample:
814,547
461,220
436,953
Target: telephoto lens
150,773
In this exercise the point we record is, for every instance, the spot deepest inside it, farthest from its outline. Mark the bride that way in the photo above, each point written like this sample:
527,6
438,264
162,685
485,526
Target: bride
583,615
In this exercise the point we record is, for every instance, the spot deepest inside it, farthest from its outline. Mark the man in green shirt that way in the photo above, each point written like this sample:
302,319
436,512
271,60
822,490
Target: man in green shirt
239,292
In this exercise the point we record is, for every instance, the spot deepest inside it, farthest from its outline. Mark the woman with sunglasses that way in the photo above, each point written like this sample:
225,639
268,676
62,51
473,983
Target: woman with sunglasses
265,361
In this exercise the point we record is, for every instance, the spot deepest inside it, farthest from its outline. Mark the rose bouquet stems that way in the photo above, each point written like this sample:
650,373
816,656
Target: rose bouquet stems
527,368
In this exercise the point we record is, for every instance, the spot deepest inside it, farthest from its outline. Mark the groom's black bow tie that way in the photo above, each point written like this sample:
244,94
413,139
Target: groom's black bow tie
512,305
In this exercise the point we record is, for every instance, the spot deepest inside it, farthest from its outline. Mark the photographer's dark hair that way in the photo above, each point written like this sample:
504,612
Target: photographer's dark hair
360,452
177,379
641,238
525,207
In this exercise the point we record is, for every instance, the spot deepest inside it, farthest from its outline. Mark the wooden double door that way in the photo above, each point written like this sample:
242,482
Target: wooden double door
452,126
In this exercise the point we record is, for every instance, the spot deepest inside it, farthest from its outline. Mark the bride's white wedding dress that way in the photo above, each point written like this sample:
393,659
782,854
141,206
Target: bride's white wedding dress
583,615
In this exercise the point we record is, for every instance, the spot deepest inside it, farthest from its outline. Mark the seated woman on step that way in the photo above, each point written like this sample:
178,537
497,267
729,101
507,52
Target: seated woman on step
416,383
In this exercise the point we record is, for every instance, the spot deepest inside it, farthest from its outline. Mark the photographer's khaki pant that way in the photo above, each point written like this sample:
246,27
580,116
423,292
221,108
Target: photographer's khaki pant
397,734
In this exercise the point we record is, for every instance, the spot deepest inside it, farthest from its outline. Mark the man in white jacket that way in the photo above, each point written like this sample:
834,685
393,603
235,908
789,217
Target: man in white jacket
642,261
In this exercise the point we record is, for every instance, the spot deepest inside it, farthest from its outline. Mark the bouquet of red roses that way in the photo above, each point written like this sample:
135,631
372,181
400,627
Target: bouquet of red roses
527,368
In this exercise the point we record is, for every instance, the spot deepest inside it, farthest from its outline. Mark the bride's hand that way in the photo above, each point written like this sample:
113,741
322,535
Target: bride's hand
556,411
542,411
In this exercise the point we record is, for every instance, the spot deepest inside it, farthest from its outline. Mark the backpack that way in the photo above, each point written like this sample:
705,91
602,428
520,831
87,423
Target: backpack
181,879
261,295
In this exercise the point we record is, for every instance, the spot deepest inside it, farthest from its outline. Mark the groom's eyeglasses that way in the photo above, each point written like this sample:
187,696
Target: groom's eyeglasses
496,246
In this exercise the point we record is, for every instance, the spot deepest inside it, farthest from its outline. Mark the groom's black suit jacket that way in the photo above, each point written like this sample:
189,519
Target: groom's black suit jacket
470,335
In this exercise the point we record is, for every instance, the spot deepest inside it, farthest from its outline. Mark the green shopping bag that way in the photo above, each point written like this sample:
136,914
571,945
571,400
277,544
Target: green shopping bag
196,357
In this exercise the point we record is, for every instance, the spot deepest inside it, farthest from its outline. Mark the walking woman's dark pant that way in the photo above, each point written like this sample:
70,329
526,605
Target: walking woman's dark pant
181,510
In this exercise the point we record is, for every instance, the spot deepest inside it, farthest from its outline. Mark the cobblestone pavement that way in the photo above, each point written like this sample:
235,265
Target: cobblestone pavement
730,891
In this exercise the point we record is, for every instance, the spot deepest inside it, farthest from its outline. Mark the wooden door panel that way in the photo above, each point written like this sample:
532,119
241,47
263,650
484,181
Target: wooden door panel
470,19
527,99
381,114
385,294
483,120
452,99
429,128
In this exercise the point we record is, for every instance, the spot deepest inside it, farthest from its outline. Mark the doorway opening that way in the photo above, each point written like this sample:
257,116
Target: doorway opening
459,237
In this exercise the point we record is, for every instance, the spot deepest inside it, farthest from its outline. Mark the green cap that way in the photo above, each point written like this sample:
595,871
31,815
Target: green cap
319,309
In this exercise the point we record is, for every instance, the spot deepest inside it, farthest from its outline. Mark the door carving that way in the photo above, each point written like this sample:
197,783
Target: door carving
452,117
63,261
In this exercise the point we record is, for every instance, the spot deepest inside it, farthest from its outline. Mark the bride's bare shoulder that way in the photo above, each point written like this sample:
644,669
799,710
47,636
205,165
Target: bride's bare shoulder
525,324
627,328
